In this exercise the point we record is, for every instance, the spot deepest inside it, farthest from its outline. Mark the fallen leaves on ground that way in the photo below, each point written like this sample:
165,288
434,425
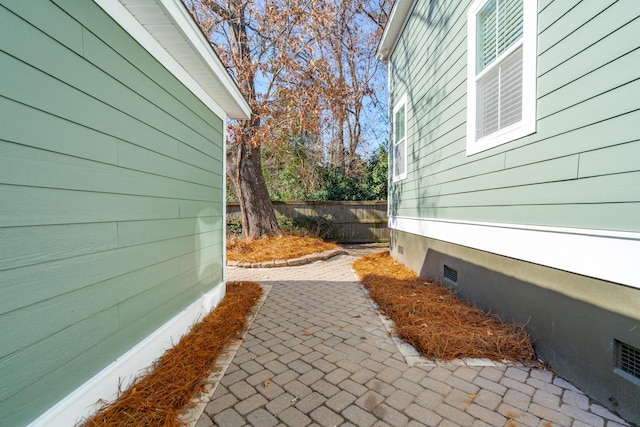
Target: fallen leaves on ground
157,398
429,316
275,248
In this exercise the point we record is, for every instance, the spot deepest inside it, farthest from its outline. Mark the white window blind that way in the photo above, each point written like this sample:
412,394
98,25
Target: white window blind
499,90
499,51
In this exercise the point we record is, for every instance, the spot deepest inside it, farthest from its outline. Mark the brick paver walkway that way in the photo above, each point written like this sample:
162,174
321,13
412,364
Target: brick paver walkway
318,354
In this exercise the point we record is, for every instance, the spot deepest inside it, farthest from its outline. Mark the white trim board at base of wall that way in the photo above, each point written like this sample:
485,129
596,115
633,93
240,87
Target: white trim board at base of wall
105,385
606,255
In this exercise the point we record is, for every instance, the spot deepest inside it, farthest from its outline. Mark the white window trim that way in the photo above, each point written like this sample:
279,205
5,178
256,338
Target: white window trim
529,41
401,103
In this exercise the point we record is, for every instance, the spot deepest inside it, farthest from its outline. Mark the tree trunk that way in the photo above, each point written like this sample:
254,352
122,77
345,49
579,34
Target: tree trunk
244,168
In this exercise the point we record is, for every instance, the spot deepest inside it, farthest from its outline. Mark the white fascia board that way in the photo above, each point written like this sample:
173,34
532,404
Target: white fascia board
168,32
397,20
106,385
607,255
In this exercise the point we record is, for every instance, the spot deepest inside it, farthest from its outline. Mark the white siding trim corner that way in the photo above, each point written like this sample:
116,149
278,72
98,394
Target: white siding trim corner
81,403
605,255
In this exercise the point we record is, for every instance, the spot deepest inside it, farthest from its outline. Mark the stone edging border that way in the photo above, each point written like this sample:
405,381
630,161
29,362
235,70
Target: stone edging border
307,259
412,356
194,409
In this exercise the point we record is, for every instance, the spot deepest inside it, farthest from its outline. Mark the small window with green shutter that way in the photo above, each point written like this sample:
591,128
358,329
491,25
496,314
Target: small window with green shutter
400,140
501,72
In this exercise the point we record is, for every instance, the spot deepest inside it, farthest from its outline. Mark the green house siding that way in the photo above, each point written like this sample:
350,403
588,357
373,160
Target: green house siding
111,181
577,170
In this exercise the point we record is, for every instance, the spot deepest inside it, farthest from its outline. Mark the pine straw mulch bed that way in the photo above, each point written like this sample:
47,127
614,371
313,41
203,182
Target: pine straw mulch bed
157,398
275,248
434,320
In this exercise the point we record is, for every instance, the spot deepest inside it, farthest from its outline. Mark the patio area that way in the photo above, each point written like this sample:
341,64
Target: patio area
318,353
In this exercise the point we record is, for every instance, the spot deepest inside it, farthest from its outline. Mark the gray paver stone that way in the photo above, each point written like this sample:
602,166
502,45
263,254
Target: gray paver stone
233,377
369,400
337,376
341,401
453,414
300,367
279,404
359,416
325,388
285,377
544,398
518,416
422,414
605,413
466,374
441,373
576,399
408,386
581,415
362,376
221,403
542,375
313,356
292,417
326,417
380,387
229,418
561,382
517,399
324,365
262,418
390,415
297,389
259,378
516,385
487,384
242,390
549,414
517,373
487,399
458,399
276,367
251,404
486,415
310,402
389,374
436,386
429,399
353,387
543,385
400,399
270,390
492,373
463,385
204,421
311,377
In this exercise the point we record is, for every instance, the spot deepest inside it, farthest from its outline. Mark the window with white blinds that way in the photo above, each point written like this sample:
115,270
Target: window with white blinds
501,72
400,140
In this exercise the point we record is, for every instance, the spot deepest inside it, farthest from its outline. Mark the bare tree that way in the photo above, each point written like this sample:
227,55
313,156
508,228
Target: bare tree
285,56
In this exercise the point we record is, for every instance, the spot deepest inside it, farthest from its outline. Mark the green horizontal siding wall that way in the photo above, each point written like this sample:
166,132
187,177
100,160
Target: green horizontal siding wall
111,184
579,169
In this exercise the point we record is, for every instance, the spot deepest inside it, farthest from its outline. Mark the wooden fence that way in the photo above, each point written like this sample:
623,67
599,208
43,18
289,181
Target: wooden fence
349,221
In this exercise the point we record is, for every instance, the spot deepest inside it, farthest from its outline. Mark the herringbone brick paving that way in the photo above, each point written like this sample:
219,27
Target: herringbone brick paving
318,354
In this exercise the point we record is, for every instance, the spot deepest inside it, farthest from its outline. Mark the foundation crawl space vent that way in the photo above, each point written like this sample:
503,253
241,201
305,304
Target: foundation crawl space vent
628,359
450,275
